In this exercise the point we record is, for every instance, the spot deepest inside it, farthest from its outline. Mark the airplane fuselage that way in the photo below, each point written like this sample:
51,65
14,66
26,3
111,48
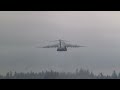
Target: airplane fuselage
61,46
62,49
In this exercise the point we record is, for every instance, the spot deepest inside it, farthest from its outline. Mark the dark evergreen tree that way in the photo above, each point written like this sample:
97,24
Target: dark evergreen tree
114,75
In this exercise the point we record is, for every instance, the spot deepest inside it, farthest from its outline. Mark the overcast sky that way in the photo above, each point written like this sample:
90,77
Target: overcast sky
22,31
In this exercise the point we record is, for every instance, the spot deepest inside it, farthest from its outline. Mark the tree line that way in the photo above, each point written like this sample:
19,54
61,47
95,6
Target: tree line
79,74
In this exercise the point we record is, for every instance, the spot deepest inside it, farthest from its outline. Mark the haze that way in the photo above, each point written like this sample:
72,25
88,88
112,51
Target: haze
22,31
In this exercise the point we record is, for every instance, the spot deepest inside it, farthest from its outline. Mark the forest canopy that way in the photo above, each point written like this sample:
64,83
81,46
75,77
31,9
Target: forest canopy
79,74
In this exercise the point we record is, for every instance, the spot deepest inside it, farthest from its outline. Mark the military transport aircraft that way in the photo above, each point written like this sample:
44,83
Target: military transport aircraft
61,46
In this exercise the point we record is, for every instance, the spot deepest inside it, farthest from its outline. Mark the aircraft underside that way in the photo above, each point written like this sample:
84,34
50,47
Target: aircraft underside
61,49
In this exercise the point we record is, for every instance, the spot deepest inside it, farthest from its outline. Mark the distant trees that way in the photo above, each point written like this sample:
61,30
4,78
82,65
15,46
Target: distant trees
114,75
51,75
79,74
84,74
1,77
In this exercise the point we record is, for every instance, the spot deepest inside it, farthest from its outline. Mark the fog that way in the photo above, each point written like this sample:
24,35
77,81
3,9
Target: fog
22,31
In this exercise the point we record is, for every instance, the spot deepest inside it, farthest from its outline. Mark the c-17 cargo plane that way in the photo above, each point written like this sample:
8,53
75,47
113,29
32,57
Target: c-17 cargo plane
62,45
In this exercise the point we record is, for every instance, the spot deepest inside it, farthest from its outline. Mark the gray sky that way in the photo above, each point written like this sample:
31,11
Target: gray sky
21,31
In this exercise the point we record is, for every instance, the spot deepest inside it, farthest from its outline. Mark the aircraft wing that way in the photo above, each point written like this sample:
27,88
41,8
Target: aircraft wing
73,46
50,46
